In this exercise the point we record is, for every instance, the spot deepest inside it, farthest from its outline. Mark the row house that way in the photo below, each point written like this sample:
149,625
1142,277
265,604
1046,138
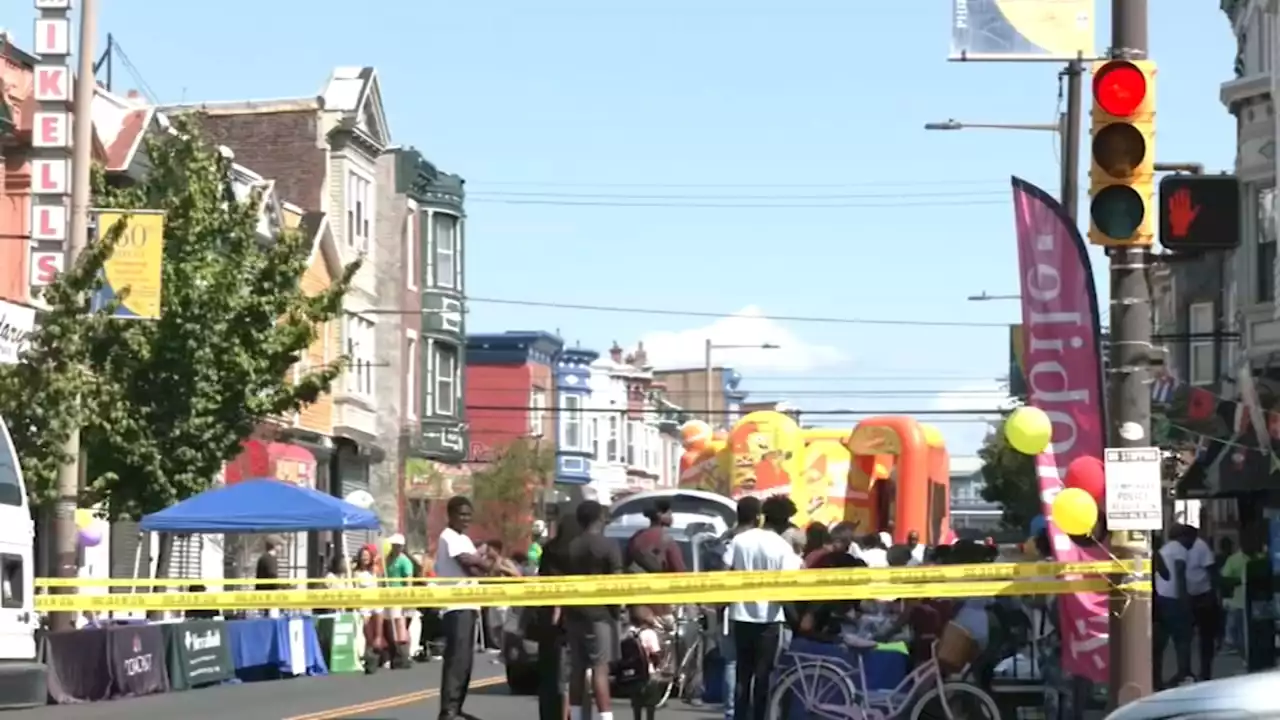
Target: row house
574,454
714,397
510,397
427,204
323,151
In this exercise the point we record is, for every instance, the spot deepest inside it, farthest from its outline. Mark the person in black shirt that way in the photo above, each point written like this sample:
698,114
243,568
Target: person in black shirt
592,630
269,569
545,625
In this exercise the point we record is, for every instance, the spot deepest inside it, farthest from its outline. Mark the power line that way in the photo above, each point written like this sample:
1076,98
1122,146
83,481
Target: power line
624,411
966,182
771,196
953,394
696,313
737,206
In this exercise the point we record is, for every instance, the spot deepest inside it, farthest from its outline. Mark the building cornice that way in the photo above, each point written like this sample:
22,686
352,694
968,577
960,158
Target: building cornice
426,184
513,348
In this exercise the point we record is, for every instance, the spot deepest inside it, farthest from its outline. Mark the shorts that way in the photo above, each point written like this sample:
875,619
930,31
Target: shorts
592,643
395,613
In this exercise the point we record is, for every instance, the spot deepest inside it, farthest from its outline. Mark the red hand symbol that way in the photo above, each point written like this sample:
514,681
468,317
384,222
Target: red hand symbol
1181,213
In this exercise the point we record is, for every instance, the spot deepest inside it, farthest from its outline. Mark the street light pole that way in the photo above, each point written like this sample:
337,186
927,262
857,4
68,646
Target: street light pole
708,370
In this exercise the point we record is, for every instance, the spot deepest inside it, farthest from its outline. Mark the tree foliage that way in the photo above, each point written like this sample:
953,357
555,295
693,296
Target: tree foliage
505,490
166,403
39,396
1010,480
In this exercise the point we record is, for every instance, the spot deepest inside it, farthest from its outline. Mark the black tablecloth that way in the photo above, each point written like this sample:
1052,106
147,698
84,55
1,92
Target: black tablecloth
101,663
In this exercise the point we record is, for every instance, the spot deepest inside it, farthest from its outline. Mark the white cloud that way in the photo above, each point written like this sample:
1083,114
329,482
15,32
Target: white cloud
687,348
965,433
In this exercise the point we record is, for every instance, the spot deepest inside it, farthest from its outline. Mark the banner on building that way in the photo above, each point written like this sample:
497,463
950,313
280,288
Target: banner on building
135,263
16,323
1022,29
1063,370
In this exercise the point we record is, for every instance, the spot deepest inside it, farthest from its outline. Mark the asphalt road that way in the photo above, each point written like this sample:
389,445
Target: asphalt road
335,697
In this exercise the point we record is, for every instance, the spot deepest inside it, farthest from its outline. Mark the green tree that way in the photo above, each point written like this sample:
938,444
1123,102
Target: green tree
1010,479
175,397
40,395
505,491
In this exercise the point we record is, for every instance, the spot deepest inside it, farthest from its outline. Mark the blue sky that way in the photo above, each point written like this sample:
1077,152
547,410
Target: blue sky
768,107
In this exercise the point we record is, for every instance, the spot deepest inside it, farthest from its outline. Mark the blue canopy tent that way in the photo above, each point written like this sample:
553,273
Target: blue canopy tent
258,506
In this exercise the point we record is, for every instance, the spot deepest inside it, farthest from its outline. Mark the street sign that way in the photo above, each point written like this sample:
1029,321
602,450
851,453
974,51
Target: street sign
1134,497
1199,212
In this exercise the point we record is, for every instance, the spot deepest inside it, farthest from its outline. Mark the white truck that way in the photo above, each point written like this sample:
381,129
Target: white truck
23,680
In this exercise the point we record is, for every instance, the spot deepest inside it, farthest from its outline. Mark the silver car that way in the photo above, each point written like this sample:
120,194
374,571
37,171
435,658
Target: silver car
1241,697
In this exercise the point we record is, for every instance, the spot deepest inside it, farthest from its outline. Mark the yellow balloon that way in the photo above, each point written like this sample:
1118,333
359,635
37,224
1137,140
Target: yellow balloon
932,435
386,547
1075,512
84,518
1028,430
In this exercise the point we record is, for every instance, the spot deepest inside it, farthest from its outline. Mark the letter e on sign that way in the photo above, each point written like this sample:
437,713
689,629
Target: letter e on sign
49,129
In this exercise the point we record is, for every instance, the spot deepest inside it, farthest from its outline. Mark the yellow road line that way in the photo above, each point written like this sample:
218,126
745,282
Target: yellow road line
388,703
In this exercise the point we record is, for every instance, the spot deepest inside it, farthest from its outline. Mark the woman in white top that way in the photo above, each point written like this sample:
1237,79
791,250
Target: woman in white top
366,577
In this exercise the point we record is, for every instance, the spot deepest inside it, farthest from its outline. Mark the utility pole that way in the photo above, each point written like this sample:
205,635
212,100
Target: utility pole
66,534
1130,624
709,385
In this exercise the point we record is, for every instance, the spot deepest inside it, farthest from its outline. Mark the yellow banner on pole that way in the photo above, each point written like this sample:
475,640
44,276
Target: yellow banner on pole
132,273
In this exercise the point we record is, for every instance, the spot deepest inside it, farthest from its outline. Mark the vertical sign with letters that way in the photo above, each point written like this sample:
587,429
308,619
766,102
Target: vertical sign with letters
51,141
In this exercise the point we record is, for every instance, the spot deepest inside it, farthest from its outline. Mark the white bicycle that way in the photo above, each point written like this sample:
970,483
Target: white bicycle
829,688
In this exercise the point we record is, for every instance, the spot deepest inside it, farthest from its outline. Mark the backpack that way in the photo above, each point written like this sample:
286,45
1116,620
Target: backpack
630,673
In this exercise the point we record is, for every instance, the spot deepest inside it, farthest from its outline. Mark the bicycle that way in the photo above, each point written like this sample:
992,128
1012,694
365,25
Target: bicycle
827,690
680,668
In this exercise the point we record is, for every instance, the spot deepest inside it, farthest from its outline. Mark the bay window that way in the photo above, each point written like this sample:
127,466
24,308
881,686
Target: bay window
359,206
612,452
571,427
357,333
445,367
445,235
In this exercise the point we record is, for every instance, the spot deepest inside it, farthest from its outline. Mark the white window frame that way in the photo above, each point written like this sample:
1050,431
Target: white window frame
613,442
361,213
358,342
571,416
411,377
595,447
632,454
451,282
445,384
1201,319
411,250
537,412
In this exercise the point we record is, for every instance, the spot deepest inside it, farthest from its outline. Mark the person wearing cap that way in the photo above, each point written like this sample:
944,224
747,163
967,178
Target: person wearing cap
399,570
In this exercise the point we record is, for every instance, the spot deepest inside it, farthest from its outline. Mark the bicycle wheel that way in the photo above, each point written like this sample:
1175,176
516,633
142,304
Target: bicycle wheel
689,674
955,701
816,692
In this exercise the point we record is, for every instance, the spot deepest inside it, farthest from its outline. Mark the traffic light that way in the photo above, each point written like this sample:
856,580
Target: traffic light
1122,171
1199,212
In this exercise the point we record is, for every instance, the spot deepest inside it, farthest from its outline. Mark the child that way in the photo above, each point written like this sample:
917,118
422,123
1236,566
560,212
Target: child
644,632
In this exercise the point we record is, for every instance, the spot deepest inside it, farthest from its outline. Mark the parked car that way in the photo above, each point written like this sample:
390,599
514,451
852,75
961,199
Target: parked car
1244,696
700,520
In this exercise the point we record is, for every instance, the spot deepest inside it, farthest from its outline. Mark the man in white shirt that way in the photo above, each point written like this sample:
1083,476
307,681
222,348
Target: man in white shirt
917,550
757,624
1185,599
456,557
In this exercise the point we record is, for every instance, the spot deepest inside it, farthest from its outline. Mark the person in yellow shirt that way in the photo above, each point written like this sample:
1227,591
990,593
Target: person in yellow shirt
1233,572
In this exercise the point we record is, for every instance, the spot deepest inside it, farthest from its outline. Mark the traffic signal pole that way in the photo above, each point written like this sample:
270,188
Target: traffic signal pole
1130,406
1071,141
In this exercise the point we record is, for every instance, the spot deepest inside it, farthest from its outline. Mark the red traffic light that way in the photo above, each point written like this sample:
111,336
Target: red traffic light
1119,88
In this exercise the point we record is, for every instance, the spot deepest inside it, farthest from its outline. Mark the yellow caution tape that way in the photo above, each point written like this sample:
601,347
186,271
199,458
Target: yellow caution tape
720,589
920,574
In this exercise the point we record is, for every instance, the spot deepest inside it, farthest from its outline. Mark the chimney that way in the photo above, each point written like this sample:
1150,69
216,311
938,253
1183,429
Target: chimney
615,352
640,359
133,94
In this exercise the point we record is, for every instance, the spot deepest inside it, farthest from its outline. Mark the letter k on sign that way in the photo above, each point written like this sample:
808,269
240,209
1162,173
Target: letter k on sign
1181,212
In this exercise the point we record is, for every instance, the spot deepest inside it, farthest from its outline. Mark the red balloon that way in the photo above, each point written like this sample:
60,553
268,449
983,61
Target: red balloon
1090,475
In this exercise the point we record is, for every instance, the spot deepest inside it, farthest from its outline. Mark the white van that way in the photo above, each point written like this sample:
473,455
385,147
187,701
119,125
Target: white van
23,681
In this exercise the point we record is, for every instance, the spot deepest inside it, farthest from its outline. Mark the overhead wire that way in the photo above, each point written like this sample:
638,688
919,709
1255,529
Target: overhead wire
992,412
958,182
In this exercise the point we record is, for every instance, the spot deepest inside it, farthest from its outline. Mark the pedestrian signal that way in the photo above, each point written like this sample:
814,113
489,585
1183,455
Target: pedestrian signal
1199,212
